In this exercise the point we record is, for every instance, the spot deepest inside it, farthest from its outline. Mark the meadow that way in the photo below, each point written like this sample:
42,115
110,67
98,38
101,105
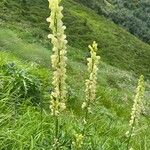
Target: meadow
26,81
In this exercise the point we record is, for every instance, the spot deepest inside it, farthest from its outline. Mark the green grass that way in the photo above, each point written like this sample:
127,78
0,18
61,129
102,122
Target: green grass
110,115
116,46
23,41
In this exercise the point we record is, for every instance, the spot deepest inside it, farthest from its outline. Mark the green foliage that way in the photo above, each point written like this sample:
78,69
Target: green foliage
117,47
27,127
31,126
133,15
20,83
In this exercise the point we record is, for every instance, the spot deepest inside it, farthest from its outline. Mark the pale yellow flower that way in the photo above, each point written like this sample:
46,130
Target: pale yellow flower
90,83
138,103
136,110
78,141
58,58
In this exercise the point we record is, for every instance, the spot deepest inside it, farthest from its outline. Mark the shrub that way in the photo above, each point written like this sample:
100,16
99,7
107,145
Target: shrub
19,82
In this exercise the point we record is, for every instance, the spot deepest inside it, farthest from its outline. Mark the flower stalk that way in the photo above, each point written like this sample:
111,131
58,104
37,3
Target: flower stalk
58,61
136,109
90,83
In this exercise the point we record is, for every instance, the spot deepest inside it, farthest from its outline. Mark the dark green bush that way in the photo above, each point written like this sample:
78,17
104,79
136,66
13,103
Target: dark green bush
20,82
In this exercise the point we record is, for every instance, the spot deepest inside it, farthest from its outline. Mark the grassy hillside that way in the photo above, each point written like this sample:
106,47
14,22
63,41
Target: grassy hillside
117,47
25,85
26,122
133,15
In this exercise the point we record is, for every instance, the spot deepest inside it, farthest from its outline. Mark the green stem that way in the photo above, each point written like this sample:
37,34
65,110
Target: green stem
131,131
57,126
56,133
86,115
88,102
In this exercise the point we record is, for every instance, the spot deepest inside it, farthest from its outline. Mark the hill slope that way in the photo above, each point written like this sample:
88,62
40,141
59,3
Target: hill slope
28,127
25,85
133,15
117,47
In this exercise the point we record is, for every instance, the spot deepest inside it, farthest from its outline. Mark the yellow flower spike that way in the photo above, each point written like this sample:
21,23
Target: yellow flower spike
92,68
94,46
138,104
58,61
58,58
136,109
90,91
90,83
78,141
